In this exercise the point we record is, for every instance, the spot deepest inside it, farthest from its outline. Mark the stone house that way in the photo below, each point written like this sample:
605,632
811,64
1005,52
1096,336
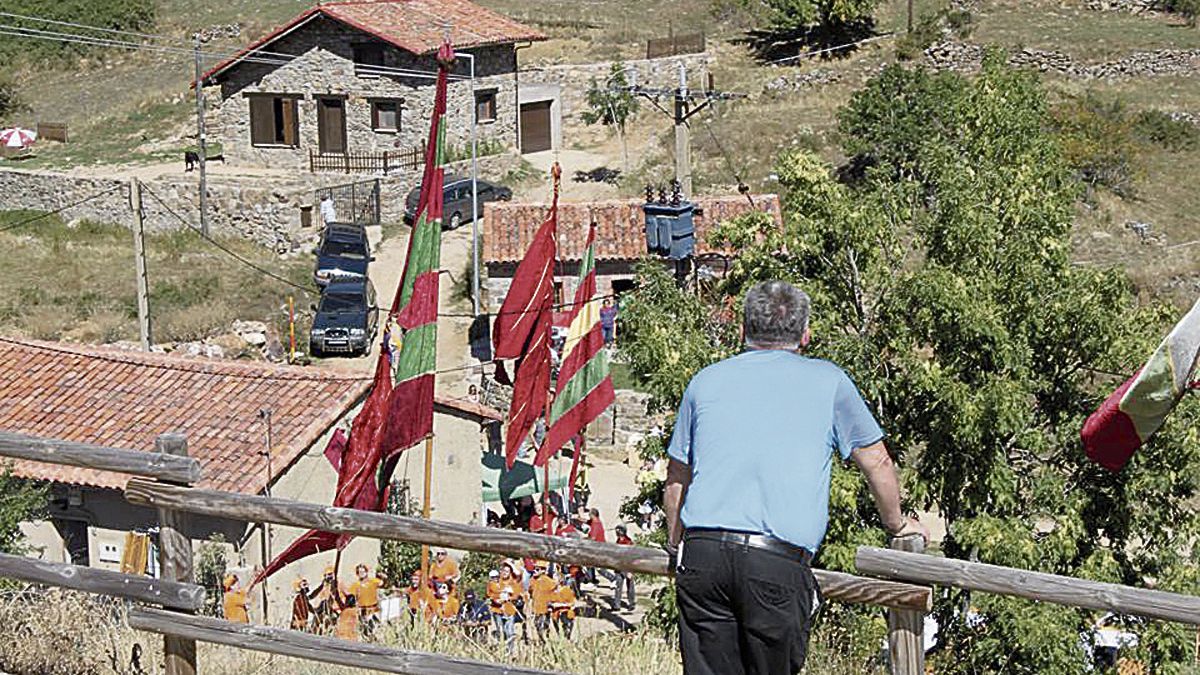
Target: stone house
357,77
509,229
120,398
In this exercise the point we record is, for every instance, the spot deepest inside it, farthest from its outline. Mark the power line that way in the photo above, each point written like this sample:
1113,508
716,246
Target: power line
60,209
835,48
225,249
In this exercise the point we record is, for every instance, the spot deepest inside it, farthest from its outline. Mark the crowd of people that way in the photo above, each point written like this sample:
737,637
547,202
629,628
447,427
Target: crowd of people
526,598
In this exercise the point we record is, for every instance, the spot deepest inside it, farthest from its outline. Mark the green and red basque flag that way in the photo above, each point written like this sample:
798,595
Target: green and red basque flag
414,311
585,388
393,418
1137,409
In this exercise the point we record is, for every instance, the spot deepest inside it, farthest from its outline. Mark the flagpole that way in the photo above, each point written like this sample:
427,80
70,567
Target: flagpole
425,505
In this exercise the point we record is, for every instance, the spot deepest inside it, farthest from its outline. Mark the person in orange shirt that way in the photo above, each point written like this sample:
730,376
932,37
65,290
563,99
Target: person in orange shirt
365,590
419,596
347,622
236,602
447,604
443,568
541,589
562,606
503,593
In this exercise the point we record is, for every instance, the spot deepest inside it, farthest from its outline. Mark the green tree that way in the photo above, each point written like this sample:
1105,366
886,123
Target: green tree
10,100
790,15
20,501
122,15
211,564
398,559
939,267
611,103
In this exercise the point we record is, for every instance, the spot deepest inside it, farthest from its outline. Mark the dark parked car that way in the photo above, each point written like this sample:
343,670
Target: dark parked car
346,319
342,253
456,209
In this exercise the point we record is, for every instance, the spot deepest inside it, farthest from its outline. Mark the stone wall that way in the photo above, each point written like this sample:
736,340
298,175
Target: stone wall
264,210
964,57
576,79
325,67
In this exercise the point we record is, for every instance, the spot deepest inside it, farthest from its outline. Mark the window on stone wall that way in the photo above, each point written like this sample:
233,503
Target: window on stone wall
273,121
367,59
485,106
385,114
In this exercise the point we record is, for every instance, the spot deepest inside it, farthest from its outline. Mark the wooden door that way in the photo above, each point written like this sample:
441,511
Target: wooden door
535,127
331,125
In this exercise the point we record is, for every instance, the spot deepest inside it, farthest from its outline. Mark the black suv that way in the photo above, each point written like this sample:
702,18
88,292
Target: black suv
342,253
347,318
456,194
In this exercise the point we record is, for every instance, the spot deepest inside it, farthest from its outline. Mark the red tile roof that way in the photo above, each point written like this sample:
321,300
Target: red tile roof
621,226
125,399
415,26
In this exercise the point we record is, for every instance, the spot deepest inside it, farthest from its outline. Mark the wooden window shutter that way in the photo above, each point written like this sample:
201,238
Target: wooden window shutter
290,134
262,120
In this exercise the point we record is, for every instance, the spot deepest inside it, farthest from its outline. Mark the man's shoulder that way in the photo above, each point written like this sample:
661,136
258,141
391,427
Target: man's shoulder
789,360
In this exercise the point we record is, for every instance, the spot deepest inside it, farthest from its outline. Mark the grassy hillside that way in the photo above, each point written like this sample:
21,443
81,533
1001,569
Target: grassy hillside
132,107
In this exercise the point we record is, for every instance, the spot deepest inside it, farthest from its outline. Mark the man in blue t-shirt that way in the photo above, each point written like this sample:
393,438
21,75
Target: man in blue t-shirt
747,490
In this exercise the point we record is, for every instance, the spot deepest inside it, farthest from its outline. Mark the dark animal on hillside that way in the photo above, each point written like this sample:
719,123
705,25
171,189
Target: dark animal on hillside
191,159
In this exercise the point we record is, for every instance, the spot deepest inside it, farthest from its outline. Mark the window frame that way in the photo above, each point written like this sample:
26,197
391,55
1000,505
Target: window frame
278,119
375,126
490,97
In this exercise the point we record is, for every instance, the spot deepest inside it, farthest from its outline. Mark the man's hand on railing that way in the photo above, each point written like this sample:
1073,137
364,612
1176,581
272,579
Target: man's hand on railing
911,527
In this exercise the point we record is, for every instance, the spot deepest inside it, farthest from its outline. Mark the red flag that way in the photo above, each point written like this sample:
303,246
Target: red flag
392,419
335,449
522,330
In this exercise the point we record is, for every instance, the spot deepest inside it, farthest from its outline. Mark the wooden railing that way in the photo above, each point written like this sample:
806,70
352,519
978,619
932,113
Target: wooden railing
163,480
367,162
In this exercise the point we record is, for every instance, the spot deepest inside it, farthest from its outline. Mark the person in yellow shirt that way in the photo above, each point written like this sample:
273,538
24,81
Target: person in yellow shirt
562,606
365,590
443,568
503,594
541,589
236,602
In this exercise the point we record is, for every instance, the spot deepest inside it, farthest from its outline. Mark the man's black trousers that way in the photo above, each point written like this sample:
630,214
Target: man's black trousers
742,610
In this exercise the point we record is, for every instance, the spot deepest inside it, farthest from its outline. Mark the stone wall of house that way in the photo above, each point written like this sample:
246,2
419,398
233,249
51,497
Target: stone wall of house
576,79
325,68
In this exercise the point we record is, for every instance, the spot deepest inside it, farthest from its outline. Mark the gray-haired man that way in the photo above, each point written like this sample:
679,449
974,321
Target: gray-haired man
750,467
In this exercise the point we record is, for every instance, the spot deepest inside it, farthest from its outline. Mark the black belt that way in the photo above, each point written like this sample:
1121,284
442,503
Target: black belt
751,540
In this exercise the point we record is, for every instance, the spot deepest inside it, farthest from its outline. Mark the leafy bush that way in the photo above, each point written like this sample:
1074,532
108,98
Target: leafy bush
398,559
1097,139
474,568
124,15
931,28
1188,9
10,100
1158,127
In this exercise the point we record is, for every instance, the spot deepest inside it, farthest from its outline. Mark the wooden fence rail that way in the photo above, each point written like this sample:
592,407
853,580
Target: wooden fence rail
834,585
1060,590
313,647
102,582
134,462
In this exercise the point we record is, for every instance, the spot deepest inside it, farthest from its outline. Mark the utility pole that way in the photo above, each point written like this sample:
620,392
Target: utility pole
265,415
686,104
139,266
683,138
201,141
910,16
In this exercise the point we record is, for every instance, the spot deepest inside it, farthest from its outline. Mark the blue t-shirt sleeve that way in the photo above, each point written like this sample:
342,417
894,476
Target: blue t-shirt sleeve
680,448
853,424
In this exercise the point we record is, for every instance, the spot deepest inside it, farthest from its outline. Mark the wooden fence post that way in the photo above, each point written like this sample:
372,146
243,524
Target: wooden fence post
175,563
906,628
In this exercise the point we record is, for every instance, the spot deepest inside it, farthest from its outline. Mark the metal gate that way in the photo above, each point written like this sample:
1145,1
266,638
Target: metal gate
354,202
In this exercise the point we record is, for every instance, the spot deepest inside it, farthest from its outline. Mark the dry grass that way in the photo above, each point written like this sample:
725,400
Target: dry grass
67,633
77,283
